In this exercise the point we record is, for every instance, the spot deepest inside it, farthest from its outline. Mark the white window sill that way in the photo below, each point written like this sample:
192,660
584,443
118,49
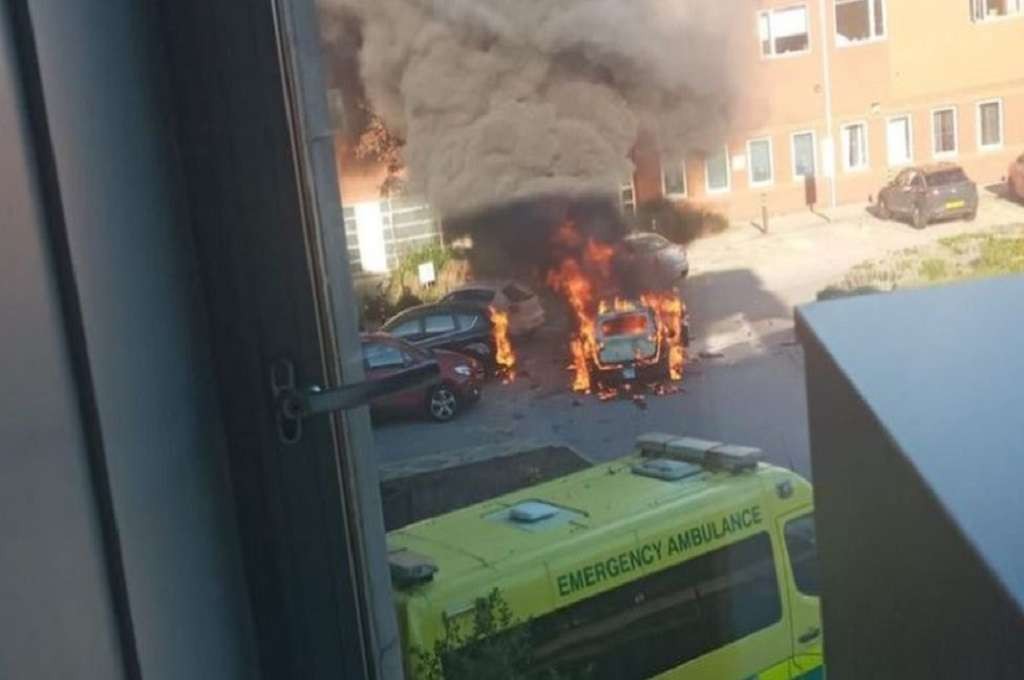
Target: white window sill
761,185
857,169
716,192
998,19
784,55
860,43
990,148
945,155
674,197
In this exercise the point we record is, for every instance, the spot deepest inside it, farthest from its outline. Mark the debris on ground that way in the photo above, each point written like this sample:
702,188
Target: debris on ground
640,401
709,354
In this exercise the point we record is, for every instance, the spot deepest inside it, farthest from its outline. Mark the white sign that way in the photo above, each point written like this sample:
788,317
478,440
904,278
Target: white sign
426,271
739,162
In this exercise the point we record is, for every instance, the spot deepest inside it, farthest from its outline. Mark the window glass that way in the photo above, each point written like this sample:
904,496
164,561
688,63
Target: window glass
990,116
405,328
898,141
717,168
673,178
379,355
803,154
993,9
944,131
516,293
467,321
649,243
651,625
483,295
438,323
802,546
946,177
855,146
858,20
783,31
760,161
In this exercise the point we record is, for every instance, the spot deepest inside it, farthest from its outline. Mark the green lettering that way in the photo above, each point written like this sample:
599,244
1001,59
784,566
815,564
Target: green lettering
657,550
736,521
645,554
707,533
575,581
695,537
563,585
747,517
673,547
624,566
756,511
599,571
612,566
635,559
684,541
588,575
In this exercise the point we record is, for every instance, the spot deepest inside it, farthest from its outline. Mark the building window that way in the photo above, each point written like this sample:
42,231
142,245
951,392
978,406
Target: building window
627,197
716,171
899,141
783,31
990,124
855,146
859,20
803,155
983,10
673,179
759,162
944,132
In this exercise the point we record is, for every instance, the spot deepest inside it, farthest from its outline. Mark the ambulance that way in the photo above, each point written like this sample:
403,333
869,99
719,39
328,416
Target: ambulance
687,559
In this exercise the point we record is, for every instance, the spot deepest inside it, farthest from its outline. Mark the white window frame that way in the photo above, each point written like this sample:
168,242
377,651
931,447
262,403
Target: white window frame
686,184
728,174
956,133
797,177
872,23
750,163
978,121
771,39
1015,11
910,141
843,139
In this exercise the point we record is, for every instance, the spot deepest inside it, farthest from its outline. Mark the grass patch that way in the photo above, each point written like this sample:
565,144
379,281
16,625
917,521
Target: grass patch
956,258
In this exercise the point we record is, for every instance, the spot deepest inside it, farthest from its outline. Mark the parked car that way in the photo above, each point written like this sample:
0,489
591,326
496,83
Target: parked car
1015,179
630,345
455,326
525,313
929,192
459,384
649,261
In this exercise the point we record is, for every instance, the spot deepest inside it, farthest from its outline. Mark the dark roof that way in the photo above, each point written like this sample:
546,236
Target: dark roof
932,168
450,307
942,373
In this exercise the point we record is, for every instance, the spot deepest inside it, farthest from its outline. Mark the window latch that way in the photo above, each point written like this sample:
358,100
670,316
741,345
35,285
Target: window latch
294,404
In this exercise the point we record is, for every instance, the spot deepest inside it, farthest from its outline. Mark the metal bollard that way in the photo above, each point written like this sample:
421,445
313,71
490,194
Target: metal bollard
764,213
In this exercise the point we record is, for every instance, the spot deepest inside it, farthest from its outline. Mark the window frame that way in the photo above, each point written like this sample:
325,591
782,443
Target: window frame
681,163
1011,14
728,174
910,139
797,177
866,165
979,120
771,40
956,132
872,24
628,207
799,583
750,164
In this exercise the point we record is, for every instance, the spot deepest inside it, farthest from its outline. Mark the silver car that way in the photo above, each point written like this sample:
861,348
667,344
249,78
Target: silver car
651,262
525,313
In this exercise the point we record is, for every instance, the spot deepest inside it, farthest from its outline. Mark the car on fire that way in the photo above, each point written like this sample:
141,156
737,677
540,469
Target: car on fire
1015,179
441,400
929,192
649,261
630,344
525,313
461,327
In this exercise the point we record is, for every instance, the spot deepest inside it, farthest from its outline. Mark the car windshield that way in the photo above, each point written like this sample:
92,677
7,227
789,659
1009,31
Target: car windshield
481,295
649,243
624,324
516,293
946,177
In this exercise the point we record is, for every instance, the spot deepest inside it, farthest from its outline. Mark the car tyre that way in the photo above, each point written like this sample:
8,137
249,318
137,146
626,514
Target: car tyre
442,403
918,218
969,217
1011,190
883,210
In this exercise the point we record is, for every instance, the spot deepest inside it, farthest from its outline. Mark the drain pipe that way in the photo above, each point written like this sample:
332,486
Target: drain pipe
826,69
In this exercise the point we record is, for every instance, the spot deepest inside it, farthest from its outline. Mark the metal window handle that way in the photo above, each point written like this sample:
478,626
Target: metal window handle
811,634
294,404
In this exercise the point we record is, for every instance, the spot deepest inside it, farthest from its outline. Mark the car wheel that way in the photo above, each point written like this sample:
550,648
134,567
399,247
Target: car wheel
969,217
918,218
442,404
883,210
1011,190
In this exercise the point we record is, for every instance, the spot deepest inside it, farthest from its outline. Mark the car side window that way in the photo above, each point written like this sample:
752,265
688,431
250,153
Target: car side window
918,181
406,328
377,355
467,321
802,546
438,323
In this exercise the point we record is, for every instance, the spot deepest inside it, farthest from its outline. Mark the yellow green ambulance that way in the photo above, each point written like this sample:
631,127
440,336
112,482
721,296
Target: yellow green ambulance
687,559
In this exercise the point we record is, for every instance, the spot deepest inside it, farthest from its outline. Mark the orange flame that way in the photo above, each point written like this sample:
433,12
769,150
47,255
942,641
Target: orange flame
670,311
570,280
504,356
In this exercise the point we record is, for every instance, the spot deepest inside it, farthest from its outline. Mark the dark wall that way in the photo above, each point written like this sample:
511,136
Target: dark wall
56,609
103,120
905,595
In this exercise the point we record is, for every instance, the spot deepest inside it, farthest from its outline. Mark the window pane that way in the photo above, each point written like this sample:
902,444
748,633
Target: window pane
473,295
717,167
991,132
761,161
879,15
439,323
466,321
789,30
764,30
382,356
898,141
674,178
665,619
802,546
855,146
945,131
803,155
410,327
853,21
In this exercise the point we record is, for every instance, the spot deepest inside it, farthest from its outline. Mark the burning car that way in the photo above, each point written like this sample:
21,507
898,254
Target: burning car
639,340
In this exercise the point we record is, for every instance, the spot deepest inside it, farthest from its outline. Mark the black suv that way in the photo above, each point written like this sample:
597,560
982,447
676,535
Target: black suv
456,326
929,192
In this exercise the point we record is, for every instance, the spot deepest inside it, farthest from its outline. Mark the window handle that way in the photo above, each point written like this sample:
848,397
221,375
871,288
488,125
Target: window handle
811,634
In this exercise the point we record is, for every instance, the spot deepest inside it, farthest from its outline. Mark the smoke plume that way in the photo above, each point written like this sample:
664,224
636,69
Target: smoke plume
500,100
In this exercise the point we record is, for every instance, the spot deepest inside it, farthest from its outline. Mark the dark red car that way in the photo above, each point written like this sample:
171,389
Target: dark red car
459,385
